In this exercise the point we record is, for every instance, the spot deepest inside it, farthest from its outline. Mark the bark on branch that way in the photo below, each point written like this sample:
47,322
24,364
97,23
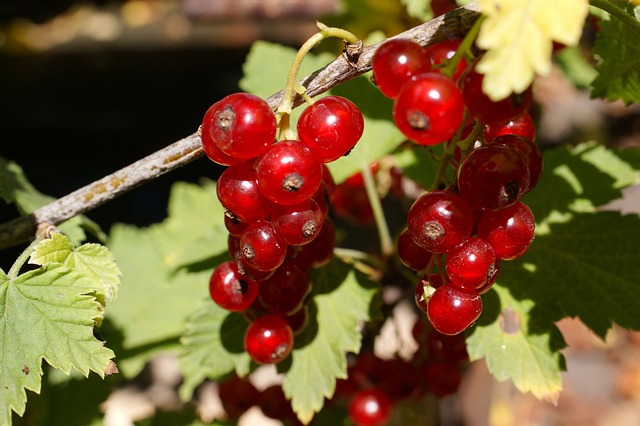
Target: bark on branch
454,24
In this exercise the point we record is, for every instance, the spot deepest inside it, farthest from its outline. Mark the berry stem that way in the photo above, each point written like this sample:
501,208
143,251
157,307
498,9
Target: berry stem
615,10
464,49
290,92
386,242
364,262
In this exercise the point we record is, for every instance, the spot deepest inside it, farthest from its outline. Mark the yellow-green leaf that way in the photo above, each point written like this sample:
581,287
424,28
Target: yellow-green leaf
518,36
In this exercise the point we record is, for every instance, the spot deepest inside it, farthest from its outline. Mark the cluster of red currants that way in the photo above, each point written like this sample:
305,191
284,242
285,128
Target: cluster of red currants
374,386
465,228
276,197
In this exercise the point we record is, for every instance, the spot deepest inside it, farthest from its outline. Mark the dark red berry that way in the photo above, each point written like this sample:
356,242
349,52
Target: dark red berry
439,221
285,291
521,125
528,151
451,310
410,253
231,290
492,177
470,265
319,251
268,339
486,110
237,396
443,378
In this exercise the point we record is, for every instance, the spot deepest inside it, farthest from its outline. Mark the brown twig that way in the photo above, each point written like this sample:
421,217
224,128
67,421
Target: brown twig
454,24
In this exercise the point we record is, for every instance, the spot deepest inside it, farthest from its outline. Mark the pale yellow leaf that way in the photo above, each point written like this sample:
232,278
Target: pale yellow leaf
518,36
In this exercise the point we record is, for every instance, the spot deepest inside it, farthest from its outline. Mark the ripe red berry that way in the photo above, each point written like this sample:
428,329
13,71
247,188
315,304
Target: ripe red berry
289,172
410,253
268,339
241,125
319,251
395,62
284,292
470,265
210,149
521,125
451,310
239,194
261,247
510,231
229,289
429,109
299,223
369,407
331,127
492,177
528,151
439,221
486,110
237,395
444,51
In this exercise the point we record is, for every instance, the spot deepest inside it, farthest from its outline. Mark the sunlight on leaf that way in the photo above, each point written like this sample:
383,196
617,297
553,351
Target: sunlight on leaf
518,36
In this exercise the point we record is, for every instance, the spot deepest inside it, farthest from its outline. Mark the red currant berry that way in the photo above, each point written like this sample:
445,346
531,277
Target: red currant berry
451,310
470,265
274,403
439,221
443,52
237,396
241,125
410,253
210,149
319,251
491,280
369,407
246,270
351,204
510,231
486,110
395,62
229,289
289,172
521,125
331,127
492,177
284,292
528,151
239,194
261,247
299,223
429,109
235,226
443,378
268,339
434,281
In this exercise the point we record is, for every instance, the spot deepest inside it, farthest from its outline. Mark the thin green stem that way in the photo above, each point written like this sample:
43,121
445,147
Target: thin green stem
22,259
618,12
386,242
286,105
463,49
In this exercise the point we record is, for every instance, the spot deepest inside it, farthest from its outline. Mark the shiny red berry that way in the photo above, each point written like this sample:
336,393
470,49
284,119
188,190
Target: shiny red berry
451,310
395,62
369,407
268,339
231,290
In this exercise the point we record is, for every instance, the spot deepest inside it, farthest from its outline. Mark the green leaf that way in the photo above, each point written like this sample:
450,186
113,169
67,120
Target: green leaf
166,269
576,67
419,9
194,230
93,260
212,347
618,69
516,350
342,300
47,313
418,163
